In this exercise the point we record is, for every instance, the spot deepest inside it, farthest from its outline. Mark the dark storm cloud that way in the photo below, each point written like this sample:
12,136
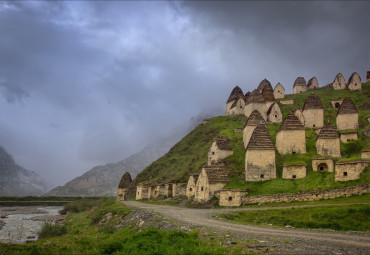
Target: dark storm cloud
86,83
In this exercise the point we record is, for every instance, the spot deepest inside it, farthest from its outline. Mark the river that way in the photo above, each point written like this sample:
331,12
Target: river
19,224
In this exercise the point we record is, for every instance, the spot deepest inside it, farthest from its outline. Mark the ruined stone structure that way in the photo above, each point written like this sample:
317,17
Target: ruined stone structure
291,136
299,85
323,165
365,154
288,101
345,136
313,112
219,150
350,170
260,156
274,113
124,186
279,91
298,113
142,192
308,195
192,183
313,83
211,179
252,122
260,99
294,171
327,142
235,103
354,82
336,103
179,189
339,82
347,115
232,197
368,77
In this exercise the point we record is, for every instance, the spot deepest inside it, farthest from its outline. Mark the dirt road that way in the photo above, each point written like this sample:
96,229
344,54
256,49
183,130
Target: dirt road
346,242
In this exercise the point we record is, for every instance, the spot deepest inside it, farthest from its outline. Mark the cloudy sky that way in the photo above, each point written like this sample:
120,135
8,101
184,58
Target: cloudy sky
88,83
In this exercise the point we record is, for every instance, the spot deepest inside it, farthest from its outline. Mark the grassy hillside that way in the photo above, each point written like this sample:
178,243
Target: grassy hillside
188,155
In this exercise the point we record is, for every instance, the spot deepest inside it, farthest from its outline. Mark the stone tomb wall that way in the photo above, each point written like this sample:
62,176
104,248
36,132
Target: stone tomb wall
232,197
346,136
215,155
190,188
287,101
247,134
336,103
291,141
294,171
347,121
365,154
308,195
260,165
347,171
330,146
323,165
313,118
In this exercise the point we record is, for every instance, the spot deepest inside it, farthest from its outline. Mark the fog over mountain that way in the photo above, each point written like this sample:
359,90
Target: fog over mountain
87,83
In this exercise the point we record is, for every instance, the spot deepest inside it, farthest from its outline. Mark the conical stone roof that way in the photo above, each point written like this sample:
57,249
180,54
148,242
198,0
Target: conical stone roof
125,181
223,144
255,97
291,122
300,81
347,107
268,94
255,119
217,173
328,132
312,102
312,82
264,84
260,139
235,94
353,75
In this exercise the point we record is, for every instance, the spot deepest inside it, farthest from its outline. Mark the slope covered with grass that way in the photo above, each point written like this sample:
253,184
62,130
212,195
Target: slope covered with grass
188,155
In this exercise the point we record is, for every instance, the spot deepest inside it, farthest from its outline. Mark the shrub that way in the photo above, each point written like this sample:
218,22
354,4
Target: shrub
50,229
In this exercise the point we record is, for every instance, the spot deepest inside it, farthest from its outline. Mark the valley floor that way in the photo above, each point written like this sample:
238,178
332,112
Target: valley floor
270,240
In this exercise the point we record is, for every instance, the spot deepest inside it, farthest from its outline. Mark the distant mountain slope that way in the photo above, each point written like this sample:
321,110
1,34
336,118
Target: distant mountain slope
103,180
17,181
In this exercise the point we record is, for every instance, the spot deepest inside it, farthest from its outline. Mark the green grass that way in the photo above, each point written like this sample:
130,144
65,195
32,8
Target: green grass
344,217
89,232
188,155
50,229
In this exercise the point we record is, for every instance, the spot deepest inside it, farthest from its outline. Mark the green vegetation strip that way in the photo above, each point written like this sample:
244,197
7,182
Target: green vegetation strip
344,217
87,230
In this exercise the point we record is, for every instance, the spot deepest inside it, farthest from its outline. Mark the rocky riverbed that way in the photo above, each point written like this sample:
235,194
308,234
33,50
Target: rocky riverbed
20,224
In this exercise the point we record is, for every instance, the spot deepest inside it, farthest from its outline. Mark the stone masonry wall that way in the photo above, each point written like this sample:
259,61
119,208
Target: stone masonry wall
260,165
308,195
238,109
232,197
313,118
288,101
347,171
347,121
247,133
365,154
261,107
190,188
344,137
294,171
328,147
323,165
299,89
215,155
291,141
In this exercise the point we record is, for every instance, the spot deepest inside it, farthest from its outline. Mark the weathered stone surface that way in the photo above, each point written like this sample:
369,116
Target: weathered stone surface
191,186
313,112
327,142
339,82
323,165
313,83
294,171
274,113
288,101
347,116
345,136
336,103
235,103
354,82
351,170
365,154
232,197
299,85
279,91
308,195
219,150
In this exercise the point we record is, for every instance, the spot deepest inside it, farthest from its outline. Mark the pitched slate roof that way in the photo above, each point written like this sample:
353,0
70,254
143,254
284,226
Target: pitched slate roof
260,139
312,82
328,132
291,122
300,81
312,102
223,144
347,107
255,97
125,181
352,77
255,119
235,94
218,173
264,84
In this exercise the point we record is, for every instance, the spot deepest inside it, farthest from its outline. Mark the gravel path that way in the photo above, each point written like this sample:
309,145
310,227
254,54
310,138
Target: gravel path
281,240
